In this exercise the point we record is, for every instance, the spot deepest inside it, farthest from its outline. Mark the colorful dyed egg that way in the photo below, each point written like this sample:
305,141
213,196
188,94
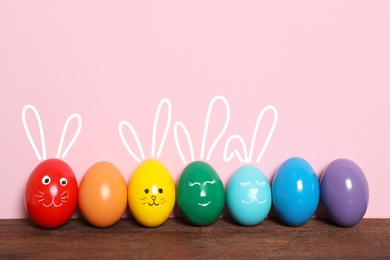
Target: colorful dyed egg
102,195
151,193
51,193
200,194
344,192
248,196
295,191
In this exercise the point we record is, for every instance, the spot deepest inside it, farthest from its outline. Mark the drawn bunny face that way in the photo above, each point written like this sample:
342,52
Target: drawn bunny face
151,193
51,193
52,189
248,195
200,194
151,190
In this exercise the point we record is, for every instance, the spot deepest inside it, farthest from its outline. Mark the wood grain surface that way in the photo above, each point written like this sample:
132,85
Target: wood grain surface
176,239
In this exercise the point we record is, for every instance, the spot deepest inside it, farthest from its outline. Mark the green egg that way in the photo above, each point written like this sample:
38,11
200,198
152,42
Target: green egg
200,194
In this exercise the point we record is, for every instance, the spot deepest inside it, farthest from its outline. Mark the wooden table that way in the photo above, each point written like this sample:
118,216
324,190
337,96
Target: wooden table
177,239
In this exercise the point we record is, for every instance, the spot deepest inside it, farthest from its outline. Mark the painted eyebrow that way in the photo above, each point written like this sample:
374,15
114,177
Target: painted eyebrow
193,183
211,182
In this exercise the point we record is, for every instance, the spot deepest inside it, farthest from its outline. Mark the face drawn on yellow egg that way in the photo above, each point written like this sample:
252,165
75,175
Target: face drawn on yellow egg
151,193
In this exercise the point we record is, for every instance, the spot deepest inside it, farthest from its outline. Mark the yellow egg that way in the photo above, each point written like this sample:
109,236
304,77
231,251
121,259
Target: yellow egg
151,193
102,195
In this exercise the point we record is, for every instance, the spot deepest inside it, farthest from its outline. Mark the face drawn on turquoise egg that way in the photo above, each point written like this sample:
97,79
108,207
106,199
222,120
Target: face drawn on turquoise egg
248,196
200,194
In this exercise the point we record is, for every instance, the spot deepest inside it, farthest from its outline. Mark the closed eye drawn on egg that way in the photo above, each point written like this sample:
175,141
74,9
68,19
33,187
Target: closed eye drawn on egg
260,184
245,184
193,183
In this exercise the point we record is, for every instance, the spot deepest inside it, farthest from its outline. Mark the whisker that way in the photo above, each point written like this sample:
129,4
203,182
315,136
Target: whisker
40,200
39,196
63,192
41,192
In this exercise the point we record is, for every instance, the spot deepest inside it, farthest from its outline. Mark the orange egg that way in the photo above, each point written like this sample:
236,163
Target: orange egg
102,195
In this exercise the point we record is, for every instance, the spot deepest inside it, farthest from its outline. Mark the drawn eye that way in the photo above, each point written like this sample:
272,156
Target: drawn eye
193,183
63,181
146,191
46,180
260,184
160,190
245,184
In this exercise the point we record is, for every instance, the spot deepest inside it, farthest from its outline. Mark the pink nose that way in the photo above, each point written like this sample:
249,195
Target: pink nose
53,191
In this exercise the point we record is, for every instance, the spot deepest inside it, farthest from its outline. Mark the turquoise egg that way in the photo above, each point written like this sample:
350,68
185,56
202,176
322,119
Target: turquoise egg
248,196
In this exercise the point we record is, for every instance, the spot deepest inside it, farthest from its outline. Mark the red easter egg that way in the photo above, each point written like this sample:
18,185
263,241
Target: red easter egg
51,193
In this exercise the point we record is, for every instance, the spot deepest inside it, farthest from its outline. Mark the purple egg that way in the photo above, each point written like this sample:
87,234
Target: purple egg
344,192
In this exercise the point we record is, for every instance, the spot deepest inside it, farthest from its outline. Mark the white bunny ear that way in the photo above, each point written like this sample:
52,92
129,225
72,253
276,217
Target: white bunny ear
270,133
168,123
189,142
43,145
248,156
223,130
79,123
125,123
242,159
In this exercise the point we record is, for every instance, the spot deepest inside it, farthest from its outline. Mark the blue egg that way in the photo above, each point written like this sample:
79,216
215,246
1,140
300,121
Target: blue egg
295,191
248,196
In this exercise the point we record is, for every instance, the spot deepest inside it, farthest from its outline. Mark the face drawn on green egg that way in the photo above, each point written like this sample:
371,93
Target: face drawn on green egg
200,194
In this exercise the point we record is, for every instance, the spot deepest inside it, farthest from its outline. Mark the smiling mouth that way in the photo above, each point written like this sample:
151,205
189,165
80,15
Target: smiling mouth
254,198
204,204
153,204
52,203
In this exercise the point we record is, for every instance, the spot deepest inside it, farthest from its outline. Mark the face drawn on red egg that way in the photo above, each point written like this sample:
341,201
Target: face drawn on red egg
51,193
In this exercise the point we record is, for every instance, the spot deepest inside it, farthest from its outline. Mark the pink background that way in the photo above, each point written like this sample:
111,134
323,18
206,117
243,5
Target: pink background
324,65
